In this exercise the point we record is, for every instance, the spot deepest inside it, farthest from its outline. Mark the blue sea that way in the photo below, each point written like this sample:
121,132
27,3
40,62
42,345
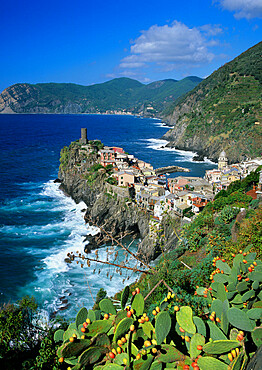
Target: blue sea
39,225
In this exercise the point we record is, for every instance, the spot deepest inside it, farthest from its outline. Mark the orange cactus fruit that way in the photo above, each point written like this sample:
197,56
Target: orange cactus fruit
132,327
61,359
129,314
154,312
124,361
240,251
255,263
118,350
138,356
199,347
230,357
111,355
71,339
157,309
114,351
88,321
187,339
106,316
176,308
147,343
154,350
181,329
83,330
137,290
132,311
244,261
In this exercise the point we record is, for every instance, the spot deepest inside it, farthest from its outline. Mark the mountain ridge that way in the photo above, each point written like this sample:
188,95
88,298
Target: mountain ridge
120,94
223,112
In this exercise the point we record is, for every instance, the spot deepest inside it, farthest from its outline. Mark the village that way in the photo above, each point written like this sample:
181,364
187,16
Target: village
183,196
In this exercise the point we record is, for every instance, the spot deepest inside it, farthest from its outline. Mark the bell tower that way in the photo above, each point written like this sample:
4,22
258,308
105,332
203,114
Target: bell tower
222,160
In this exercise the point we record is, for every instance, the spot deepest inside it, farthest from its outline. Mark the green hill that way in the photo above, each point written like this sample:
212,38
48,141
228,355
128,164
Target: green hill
223,112
120,94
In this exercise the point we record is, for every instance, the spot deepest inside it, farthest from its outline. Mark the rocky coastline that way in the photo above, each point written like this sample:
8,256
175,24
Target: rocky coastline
117,216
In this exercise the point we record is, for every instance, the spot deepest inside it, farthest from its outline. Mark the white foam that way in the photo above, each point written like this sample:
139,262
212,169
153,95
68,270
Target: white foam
55,278
184,155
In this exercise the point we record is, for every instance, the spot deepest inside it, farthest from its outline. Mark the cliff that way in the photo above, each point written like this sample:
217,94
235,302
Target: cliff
223,112
117,95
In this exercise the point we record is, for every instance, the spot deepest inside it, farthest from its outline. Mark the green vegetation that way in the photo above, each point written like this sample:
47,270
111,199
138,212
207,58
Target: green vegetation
125,337
226,108
117,94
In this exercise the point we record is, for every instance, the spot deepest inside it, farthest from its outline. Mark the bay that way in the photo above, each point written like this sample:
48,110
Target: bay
39,225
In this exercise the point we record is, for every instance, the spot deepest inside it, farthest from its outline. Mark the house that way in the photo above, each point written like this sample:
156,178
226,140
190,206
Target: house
126,178
107,156
170,201
159,208
213,176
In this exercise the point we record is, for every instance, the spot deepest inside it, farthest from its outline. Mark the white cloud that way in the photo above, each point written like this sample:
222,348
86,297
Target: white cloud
243,8
171,46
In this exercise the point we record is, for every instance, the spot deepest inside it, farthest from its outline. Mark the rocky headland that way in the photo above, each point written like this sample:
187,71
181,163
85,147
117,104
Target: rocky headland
116,215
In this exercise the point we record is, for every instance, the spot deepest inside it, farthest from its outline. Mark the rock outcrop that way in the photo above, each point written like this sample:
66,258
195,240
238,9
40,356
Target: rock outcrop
118,216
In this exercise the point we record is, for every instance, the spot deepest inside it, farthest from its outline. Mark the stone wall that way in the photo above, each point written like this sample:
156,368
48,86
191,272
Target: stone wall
121,192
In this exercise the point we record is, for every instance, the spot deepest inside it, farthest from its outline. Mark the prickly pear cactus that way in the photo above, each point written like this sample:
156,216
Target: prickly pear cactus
128,339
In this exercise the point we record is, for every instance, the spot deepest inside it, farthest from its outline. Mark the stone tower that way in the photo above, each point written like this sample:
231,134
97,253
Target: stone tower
83,139
222,160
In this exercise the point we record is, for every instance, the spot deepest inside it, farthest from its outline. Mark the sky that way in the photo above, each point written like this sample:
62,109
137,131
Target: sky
92,41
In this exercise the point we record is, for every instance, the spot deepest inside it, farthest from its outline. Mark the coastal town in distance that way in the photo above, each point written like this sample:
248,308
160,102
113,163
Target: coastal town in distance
182,196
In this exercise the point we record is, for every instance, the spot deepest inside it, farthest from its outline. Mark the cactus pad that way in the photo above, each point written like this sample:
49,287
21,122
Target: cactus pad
91,355
169,354
122,328
107,306
99,326
162,326
124,296
75,348
185,319
58,336
81,316
196,340
218,347
205,363
239,319
138,304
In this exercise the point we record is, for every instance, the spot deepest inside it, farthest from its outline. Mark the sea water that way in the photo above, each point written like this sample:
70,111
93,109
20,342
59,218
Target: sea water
40,225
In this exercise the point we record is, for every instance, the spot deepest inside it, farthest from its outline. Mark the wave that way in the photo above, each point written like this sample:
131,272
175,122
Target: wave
60,287
184,155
